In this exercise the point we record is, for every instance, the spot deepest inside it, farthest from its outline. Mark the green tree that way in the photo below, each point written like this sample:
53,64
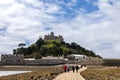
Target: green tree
59,51
43,50
37,56
39,42
21,45
65,51
74,51
73,45
14,51
21,51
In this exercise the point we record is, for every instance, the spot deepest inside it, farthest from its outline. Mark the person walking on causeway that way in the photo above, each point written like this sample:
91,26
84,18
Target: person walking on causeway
76,67
68,67
73,68
65,68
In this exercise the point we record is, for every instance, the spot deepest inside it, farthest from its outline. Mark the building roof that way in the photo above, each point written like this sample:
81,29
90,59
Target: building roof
76,55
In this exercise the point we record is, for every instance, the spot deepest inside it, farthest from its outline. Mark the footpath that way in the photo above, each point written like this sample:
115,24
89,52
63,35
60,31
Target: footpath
70,75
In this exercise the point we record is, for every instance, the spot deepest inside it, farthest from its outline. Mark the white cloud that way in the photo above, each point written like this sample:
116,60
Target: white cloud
92,30
27,20
22,21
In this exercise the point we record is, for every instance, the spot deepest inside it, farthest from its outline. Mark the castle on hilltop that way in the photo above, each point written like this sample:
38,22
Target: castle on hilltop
51,36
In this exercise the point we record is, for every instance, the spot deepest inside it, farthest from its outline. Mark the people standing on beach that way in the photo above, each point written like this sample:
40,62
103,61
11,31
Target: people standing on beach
73,68
65,68
76,67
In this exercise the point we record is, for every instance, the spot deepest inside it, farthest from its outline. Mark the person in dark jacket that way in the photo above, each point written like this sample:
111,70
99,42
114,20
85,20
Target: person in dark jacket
73,68
76,67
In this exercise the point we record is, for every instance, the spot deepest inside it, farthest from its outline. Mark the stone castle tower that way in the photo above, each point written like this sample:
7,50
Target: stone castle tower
51,36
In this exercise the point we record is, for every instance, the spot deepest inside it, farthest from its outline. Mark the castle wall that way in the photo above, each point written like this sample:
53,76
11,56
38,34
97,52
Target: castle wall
45,62
12,59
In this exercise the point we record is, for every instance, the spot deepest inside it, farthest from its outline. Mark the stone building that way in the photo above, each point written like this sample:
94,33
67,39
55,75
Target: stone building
76,57
51,36
12,59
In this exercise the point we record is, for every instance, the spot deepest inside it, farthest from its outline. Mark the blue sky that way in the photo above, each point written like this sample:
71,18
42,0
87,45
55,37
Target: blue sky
94,24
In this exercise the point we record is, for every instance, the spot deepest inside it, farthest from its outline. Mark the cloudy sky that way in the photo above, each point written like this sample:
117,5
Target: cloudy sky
94,24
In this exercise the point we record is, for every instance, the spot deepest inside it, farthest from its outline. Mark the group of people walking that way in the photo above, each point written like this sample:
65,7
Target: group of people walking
75,68
67,68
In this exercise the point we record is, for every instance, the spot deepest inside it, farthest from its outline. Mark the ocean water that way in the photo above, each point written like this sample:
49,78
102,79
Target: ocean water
5,73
